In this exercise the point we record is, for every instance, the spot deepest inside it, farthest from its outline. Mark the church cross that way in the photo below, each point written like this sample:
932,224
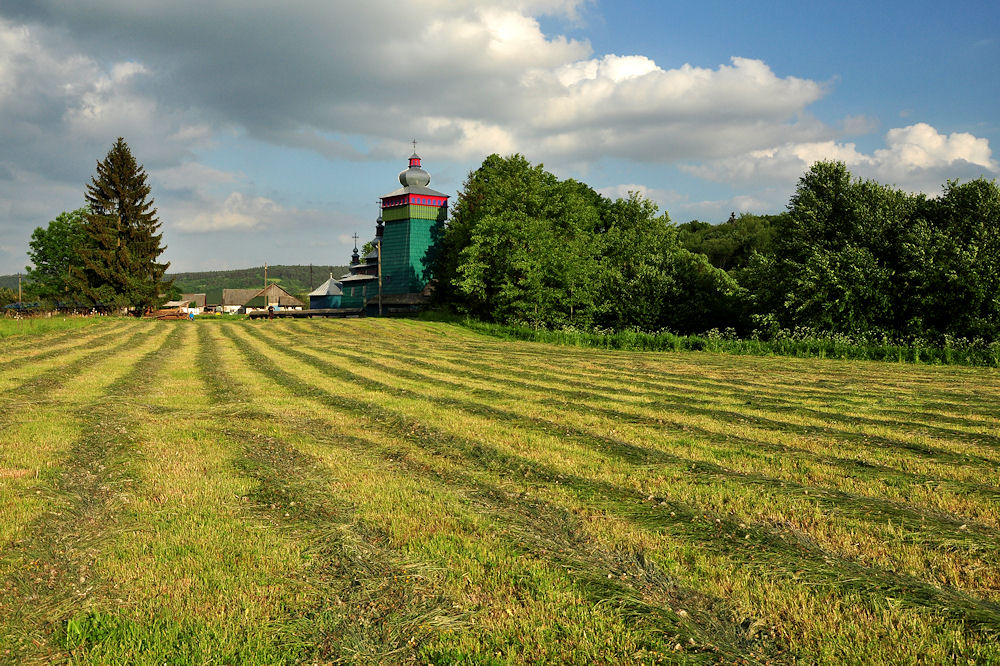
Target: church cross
414,142
355,237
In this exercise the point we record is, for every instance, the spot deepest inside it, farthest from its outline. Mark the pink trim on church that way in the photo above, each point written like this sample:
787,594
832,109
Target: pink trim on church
414,199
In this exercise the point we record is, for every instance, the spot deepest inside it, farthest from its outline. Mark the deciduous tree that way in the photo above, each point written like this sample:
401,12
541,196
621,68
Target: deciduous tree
54,251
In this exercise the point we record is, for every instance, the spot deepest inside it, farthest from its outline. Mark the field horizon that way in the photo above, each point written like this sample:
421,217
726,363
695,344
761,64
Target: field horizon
399,491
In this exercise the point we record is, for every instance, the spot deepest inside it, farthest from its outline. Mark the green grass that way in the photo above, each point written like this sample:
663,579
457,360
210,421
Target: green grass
800,344
40,325
377,491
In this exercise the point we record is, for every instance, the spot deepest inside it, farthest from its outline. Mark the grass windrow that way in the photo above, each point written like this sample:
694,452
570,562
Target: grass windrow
394,491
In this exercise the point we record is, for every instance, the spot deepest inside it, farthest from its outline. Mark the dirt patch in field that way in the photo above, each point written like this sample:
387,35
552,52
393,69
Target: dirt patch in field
6,473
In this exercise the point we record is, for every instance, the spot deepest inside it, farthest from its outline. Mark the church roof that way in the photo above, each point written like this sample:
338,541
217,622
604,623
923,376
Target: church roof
414,180
414,189
358,278
329,288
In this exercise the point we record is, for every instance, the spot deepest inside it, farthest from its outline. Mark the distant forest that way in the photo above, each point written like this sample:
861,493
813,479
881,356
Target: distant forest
296,280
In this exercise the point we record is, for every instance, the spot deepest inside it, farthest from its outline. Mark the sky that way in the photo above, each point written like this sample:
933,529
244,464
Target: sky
269,130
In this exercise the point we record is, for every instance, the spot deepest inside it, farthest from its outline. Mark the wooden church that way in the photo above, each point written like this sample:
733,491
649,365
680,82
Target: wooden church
391,277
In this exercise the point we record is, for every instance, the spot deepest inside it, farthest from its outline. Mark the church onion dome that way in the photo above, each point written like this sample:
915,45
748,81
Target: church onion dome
414,176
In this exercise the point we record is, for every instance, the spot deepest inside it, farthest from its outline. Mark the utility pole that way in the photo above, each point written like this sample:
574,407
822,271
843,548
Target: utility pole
265,275
19,299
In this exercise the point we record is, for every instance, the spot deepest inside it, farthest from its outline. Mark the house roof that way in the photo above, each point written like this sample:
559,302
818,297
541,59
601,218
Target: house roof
272,294
238,296
275,294
329,288
198,299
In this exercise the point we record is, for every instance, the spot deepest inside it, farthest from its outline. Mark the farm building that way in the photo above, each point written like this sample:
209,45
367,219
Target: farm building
402,239
241,300
195,303
196,300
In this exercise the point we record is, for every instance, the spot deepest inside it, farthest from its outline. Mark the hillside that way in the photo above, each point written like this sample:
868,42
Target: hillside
297,280
8,282
294,279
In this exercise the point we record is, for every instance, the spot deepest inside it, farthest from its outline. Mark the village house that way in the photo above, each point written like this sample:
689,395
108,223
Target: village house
246,300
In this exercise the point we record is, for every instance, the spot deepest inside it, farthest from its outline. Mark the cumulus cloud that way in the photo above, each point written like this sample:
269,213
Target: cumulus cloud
464,75
917,157
194,205
663,198
238,211
353,81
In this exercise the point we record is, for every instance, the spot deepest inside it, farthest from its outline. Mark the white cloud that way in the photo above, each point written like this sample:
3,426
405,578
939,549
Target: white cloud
663,198
920,146
917,158
191,176
353,81
239,212
469,78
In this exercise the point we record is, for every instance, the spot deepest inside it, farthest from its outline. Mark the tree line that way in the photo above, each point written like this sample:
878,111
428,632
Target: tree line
104,254
849,257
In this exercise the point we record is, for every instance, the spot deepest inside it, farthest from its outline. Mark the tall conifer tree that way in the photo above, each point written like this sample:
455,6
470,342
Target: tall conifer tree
121,268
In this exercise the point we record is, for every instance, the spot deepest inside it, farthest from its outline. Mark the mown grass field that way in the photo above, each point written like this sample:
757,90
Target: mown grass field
373,491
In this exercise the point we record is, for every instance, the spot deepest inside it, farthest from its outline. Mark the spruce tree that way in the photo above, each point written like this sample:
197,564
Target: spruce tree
120,268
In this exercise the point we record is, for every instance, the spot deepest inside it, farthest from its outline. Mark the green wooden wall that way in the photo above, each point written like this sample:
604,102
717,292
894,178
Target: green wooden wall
404,247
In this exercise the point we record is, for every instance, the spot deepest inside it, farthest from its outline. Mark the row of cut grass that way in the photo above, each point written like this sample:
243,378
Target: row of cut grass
375,491
353,385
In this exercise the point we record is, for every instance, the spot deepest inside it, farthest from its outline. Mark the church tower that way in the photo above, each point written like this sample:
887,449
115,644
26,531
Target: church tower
409,214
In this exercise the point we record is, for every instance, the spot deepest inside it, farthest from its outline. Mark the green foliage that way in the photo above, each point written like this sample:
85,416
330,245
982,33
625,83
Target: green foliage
524,247
7,296
54,251
961,294
799,343
860,258
519,246
730,245
119,266
521,268
649,281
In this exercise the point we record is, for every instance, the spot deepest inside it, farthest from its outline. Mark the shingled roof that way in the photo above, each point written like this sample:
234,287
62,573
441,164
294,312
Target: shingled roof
272,293
329,288
238,296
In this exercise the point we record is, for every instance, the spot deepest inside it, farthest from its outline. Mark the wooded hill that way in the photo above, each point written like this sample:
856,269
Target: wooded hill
296,280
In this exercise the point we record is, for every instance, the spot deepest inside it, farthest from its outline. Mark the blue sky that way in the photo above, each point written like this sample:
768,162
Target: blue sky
269,131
